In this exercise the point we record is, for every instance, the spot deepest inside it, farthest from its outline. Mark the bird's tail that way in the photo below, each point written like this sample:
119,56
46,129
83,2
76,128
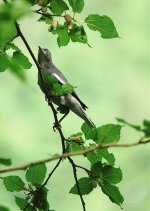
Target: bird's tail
88,121
80,112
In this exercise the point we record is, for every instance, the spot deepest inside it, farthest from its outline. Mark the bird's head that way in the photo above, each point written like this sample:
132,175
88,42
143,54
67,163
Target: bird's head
44,56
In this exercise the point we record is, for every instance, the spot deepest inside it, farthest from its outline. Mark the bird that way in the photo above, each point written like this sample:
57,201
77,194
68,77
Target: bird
64,102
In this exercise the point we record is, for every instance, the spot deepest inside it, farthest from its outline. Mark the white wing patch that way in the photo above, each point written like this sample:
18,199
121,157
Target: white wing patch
59,79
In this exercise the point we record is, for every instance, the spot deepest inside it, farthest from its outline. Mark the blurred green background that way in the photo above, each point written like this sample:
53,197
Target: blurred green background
112,78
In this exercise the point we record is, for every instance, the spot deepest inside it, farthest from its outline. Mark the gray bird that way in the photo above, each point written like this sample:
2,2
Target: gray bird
65,102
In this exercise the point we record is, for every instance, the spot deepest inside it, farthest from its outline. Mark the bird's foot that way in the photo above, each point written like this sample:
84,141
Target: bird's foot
56,126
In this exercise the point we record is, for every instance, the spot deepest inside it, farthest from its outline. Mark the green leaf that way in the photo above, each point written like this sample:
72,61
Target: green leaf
7,32
13,183
136,127
40,199
36,174
47,20
109,133
99,154
32,2
103,24
74,147
14,10
58,7
2,208
65,89
6,162
16,69
89,133
146,128
96,169
85,185
57,89
113,193
77,5
94,156
78,34
63,36
22,60
109,157
9,13
21,203
30,208
12,46
4,62
111,174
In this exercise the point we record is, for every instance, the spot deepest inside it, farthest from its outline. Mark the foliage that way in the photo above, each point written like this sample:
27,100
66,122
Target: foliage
31,190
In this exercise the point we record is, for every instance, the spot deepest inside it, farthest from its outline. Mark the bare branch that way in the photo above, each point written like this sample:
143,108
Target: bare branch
48,15
77,183
65,155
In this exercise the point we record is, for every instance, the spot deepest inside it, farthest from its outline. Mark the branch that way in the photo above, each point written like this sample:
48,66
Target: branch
66,155
48,15
77,183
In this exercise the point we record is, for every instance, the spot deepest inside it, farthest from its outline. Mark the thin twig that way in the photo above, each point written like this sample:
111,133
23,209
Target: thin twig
77,183
48,15
85,169
65,155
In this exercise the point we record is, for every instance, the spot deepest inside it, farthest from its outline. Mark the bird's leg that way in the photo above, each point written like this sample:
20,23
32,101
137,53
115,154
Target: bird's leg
64,116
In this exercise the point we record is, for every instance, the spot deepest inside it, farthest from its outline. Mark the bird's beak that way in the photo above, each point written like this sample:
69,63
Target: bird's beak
41,51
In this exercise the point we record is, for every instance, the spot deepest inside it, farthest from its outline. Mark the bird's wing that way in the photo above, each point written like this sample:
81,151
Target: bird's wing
61,78
76,96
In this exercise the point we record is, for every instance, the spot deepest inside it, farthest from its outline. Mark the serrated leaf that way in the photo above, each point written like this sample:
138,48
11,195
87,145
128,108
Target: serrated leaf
64,89
21,203
13,183
136,127
109,157
85,185
63,36
16,69
58,7
77,5
7,32
89,133
146,129
78,34
74,147
2,208
36,174
103,24
6,162
99,154
4,62
77,139
111,174
96,169
113,193
13,47
94,156
22,60
109,133
47,20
